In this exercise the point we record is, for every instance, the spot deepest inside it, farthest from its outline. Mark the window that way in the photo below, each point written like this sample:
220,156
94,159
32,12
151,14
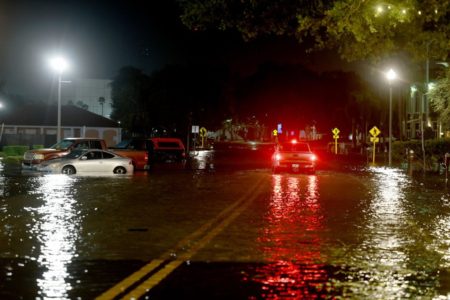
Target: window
168,145
107,155
137,144
94,155
96,145
82,145
294,147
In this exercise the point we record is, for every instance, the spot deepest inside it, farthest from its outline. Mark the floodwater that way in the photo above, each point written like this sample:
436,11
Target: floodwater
362,233
392,244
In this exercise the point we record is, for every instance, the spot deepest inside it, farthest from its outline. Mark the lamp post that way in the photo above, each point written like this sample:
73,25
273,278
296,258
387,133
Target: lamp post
391,76
59,65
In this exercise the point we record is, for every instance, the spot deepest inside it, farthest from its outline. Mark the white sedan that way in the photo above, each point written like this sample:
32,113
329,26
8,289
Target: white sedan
88,161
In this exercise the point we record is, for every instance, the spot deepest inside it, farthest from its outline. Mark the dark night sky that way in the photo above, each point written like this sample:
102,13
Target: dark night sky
99,37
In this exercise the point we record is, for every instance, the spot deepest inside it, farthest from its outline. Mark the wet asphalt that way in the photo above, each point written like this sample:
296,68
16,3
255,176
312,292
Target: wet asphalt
224,227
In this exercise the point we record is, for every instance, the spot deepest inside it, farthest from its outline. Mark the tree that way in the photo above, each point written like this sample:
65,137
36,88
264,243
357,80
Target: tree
82,105
102,101
166,99
439,97
358,29
130,100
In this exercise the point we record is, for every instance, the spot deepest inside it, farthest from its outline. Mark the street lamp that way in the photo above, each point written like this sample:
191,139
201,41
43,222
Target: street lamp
59,65
391,76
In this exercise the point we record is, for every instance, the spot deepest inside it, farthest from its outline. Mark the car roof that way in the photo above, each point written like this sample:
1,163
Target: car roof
165,139
81,138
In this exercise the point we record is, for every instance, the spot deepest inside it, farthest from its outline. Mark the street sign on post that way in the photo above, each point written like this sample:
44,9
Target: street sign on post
374,139
202,132
335,132
374,131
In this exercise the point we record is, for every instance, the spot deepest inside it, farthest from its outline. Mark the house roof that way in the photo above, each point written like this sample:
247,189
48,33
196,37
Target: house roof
42,115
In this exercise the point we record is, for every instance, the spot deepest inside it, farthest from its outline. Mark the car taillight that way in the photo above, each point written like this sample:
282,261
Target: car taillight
146,156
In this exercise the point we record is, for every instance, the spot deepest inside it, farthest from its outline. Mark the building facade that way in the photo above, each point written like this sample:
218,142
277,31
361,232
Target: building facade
36,125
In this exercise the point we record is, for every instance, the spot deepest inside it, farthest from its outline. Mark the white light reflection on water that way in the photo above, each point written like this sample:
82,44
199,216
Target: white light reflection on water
381,256
441,231
2,178
202,160
57,231
290,241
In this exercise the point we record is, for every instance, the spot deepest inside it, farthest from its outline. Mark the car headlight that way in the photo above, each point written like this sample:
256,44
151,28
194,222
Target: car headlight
39,156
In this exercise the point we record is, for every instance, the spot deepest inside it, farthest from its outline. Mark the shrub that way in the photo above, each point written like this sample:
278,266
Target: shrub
15,150
434,150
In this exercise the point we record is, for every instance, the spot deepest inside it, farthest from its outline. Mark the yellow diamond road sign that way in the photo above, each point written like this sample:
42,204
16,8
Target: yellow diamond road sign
335,131
374,131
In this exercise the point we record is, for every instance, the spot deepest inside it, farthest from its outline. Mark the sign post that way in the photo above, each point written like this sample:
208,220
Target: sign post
335,132
374,139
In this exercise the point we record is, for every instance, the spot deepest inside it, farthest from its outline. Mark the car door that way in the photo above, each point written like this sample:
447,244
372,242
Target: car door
91,161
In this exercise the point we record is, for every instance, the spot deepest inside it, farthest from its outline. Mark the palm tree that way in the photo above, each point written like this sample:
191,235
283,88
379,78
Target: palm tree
102,101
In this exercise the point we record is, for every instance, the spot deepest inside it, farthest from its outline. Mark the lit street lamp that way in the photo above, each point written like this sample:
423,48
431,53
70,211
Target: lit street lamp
59,64
391,76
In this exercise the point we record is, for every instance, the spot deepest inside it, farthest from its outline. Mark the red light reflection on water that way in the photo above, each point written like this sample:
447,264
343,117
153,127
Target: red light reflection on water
291,242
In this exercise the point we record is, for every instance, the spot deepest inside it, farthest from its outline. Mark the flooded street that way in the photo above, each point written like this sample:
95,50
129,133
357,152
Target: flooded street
224,229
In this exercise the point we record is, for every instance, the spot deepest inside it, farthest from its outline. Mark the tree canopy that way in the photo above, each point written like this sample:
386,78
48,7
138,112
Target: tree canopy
168,99
358,29
439,96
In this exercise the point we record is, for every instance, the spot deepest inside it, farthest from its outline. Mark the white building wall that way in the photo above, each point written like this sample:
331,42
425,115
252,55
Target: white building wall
89,91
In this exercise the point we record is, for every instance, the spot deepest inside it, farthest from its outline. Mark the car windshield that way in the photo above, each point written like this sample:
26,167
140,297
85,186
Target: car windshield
123,144
74,154
64,144
294,147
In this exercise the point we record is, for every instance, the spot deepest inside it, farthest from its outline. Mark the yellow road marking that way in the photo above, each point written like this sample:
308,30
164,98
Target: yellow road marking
167,269
130,280
155,279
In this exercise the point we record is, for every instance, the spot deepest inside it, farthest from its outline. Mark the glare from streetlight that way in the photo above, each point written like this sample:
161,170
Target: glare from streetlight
1,105
59,64
379,9
391,75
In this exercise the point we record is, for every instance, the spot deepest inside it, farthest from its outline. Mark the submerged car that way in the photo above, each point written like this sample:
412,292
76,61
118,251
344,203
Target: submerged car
32,158
293,156
88,161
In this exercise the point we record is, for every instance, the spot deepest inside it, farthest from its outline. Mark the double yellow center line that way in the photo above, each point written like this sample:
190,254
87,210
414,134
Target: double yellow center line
150,275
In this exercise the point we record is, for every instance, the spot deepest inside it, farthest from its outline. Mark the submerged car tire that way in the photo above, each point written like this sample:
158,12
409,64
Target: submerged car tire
68,170
120,170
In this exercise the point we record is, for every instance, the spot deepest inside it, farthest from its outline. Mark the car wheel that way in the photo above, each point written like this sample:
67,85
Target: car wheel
120,170
69,170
